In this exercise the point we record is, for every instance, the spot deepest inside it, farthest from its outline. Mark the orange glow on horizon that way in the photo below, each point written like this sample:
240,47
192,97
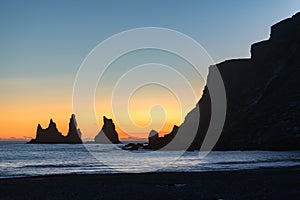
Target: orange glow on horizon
27,103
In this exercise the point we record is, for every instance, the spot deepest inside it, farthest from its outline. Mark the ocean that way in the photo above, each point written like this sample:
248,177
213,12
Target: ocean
18,159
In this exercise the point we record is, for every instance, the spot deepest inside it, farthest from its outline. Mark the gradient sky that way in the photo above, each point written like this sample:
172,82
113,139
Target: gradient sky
43,43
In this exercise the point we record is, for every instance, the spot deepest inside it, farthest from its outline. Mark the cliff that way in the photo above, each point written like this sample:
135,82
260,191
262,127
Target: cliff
51,135
108,133
263,99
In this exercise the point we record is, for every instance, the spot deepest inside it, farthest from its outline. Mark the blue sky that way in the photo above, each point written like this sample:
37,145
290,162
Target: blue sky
50,37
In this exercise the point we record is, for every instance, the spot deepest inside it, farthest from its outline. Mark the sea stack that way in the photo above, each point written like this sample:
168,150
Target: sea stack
51,135
108,133
74,134
48,135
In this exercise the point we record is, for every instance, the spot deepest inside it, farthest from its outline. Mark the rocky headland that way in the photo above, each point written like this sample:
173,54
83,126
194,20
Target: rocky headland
263,99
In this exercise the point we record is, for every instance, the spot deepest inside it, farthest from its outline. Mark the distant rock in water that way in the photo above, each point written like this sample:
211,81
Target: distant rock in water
263,99
133,146
51,135
108,133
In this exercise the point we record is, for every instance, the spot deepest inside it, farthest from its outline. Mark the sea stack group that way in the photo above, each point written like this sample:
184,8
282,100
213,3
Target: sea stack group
51,134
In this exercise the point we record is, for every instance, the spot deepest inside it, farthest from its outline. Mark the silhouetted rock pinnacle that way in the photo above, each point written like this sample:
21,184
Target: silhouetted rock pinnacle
51,135
108,133
74,134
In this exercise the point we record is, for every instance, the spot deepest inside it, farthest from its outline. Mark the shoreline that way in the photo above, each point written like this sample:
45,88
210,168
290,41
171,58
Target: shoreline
149,173
269,183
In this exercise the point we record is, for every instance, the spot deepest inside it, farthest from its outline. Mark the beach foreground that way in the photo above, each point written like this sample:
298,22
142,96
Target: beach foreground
279,183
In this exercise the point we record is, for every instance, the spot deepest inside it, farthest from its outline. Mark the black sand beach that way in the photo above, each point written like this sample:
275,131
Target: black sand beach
280,183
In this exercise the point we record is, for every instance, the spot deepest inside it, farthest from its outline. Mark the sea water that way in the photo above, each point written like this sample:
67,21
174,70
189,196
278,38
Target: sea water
18,159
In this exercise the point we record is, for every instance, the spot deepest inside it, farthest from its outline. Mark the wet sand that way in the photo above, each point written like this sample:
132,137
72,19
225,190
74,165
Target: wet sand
280,183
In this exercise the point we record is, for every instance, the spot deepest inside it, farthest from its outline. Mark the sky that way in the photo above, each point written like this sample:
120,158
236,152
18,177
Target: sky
43,44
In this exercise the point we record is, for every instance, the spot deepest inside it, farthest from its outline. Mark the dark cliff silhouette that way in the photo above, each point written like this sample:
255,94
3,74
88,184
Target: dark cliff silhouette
156,142
263,99
51,135
108,133
263,108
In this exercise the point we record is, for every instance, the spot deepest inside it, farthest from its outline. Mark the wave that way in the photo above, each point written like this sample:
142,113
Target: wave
104,149
51,166
254,161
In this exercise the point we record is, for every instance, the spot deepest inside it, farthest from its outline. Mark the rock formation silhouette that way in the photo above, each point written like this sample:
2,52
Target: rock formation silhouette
156,142
51,135
108,133
263,101
74,134
133,146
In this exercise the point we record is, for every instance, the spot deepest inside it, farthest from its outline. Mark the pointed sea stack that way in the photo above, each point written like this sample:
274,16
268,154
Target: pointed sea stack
108,133
74,134
51,135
